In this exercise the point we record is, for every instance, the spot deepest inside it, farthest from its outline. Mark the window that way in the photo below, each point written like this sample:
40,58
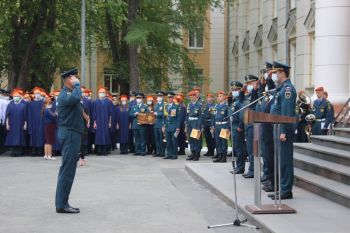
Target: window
292,59
111,82
292,4
312,58
275,8
195,39
261,10
274,53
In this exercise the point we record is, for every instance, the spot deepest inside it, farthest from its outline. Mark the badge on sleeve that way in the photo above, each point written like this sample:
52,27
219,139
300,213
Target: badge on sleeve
288,92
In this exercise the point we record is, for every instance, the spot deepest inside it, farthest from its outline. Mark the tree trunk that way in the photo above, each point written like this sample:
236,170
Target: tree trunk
14,60
38,26
132,49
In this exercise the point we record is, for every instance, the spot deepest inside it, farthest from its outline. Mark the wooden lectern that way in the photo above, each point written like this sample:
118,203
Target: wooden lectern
251,116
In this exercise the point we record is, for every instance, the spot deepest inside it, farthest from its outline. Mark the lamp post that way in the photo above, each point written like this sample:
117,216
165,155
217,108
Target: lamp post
83,43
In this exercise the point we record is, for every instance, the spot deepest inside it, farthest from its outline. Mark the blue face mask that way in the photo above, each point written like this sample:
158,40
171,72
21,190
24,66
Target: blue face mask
235,93
250,88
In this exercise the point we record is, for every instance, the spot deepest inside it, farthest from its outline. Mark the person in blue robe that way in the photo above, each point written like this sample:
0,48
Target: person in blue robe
16,123
114,132
102,122
36,123
123,124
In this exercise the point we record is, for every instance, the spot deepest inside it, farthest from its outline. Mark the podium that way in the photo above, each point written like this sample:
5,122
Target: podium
256,118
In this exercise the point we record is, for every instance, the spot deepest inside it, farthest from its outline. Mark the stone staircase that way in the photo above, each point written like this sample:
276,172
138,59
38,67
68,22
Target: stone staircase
323,166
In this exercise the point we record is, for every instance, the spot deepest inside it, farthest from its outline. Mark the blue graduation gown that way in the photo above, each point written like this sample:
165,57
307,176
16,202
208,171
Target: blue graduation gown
123,122
36,123
102,114
16,113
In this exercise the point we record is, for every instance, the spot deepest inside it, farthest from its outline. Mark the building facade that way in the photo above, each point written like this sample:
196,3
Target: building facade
312,36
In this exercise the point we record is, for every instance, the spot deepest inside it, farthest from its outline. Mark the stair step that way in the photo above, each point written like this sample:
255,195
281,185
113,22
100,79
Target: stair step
332,190
342,132
330,170
332,141
323,152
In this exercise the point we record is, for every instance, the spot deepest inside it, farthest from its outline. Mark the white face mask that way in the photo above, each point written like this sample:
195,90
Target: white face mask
48,106
235,93
138,101
89,98
37,96
274,78
266,75
149,102
159,99
132,99
17,99
250,88
123,102
101,95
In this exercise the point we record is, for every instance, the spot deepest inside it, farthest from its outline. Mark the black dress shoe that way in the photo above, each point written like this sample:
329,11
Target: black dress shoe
236,171
269,188
248,175
168,157
288,195
264,178
68,210
272,195
173,158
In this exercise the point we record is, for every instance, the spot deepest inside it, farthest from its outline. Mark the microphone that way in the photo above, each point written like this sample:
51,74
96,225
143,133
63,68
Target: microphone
269,91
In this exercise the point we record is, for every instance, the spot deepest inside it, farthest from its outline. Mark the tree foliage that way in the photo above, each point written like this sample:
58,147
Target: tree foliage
39,37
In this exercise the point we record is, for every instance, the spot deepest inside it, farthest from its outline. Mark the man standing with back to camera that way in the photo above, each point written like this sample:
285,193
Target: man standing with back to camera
70,130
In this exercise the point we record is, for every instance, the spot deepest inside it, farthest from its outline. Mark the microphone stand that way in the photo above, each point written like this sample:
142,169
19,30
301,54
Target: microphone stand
237,222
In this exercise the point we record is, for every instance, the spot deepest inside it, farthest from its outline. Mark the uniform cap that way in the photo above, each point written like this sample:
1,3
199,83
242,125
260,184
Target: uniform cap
236,84
280,66
68,73
319,89
150,97
268,65
170,94
123,97
160,93
192,93
19,90
102,89
251,78
140,95
210,95
220,93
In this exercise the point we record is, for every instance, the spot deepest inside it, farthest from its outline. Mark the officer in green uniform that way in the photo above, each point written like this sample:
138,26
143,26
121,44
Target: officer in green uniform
250,95
194,120
237,127
284,104
160,120
172,126
70,130
138,129
220,121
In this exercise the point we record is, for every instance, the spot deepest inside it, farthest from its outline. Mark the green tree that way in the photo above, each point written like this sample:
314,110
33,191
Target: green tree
37,37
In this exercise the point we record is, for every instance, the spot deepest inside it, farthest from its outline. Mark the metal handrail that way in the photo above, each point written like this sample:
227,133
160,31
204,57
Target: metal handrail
341,116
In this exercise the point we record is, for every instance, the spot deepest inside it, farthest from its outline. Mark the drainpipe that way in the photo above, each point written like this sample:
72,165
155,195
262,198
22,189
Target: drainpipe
287,39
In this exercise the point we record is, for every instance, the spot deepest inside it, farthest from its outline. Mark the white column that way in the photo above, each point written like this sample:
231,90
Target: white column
332,46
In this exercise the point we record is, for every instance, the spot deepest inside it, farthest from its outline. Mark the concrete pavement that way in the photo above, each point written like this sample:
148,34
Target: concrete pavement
116,193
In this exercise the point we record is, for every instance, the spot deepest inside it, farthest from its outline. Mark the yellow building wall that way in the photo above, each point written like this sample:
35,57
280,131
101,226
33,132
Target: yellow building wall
201,56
